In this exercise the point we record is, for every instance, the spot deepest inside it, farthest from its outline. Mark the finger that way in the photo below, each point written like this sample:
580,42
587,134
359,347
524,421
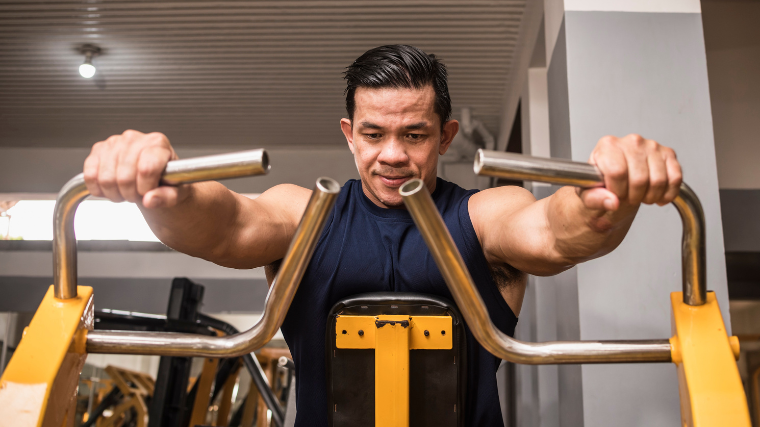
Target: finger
150,166
107,172
675,177
164,197
126,173
600,199
611,161
658,178
91,165
638,173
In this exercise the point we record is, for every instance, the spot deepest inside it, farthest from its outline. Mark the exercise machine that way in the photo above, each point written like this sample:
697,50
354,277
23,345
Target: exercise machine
38,386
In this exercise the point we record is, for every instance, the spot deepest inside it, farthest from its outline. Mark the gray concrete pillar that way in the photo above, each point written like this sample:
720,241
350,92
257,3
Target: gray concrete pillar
620,67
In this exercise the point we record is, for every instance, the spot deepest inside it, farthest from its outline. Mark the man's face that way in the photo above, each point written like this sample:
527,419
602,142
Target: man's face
396,136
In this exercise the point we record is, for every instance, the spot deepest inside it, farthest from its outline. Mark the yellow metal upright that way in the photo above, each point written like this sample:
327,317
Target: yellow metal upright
38,387
392,336
711,391
392,371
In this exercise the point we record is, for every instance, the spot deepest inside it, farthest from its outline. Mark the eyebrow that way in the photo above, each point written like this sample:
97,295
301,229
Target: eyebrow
420,125
413,126
371,125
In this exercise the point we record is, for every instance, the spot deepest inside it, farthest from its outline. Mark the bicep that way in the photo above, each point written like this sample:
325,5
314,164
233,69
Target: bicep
263,227
513,228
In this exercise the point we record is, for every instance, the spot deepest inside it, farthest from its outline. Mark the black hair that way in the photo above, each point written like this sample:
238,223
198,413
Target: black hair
398,66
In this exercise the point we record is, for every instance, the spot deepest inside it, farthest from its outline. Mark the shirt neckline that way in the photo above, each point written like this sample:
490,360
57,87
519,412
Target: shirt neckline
397,214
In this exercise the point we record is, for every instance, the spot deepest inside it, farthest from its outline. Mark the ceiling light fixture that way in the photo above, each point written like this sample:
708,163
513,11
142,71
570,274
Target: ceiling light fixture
87,70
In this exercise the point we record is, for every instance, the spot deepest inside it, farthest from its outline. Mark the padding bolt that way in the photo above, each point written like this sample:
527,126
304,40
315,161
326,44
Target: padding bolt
427,333
443,332
361,333
344,332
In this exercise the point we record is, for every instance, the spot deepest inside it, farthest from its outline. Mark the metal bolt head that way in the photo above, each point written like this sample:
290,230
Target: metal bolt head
361,333
443,332
427,333
345,332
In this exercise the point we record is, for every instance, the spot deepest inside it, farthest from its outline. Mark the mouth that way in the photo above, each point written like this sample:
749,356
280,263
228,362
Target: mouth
394,181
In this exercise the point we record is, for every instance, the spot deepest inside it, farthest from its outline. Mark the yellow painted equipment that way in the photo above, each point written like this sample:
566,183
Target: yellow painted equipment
709,385
39,384
392,337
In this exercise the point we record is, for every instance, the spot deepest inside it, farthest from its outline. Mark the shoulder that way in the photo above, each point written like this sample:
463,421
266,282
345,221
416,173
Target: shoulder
496,204
509,197
287,200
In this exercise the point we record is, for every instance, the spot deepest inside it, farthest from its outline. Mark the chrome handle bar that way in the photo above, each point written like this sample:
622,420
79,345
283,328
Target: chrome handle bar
454,271
564,172
278,300
222,166
470,303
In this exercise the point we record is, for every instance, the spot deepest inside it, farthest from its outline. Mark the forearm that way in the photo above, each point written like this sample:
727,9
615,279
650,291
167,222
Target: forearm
200,223
580,234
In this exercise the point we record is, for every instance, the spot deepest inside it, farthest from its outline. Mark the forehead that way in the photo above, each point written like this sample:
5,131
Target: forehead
394,103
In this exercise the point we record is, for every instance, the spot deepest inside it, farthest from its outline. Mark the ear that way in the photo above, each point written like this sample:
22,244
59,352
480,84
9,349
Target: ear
450,130
348,132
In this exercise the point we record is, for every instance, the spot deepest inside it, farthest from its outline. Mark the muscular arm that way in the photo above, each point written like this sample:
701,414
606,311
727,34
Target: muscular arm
205,220
549,236
221,226
543,237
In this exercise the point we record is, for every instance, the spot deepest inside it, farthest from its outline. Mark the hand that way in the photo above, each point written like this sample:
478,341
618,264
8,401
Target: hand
636,170
129,167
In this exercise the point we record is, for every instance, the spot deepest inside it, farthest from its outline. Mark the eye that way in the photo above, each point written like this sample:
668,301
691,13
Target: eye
415,136
372,135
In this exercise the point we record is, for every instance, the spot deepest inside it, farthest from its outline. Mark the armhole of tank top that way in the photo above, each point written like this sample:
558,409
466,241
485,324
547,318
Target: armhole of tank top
476,254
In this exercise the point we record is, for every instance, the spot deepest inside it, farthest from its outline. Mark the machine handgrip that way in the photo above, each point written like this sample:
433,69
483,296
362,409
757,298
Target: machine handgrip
527,168
564,172
206,168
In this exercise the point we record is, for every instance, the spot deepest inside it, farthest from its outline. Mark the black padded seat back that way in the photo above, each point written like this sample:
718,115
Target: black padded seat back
437,378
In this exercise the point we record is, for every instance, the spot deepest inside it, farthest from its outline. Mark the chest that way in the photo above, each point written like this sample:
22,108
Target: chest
361,253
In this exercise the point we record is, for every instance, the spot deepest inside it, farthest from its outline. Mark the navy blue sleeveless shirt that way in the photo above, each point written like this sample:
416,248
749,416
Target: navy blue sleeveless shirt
366,248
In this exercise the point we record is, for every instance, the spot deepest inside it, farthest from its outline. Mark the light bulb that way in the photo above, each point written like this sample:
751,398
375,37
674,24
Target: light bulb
86,70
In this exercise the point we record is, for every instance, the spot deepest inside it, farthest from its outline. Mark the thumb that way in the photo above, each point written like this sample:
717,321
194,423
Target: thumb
164,196
599,199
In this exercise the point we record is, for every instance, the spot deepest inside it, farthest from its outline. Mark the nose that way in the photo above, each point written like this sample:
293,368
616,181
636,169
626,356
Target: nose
393,153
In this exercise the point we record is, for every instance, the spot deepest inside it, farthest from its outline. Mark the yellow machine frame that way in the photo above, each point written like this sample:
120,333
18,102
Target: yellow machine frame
38,387
709,385
392,336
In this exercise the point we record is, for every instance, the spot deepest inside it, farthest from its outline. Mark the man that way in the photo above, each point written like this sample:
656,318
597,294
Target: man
398,124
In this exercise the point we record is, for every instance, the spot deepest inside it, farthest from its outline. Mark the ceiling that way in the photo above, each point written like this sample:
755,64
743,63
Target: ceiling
229,73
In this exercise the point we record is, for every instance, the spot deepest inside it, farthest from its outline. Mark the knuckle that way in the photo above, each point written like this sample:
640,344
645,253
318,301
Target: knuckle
146,168
638,181
607,140
617,171
158,137
130,133
107,179
658,182
124,179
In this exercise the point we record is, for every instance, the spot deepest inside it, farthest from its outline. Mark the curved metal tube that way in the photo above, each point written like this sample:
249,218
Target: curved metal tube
564,172
222,166
446,255
276,307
